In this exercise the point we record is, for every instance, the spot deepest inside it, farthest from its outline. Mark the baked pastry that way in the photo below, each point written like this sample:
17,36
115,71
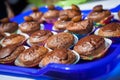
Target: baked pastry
13,39
8,54
90,47
110,30
75,11
119,14
36,15
98,14
29,26
0,47
8,26
63,56
60,40
80,27
40,37
2,35
51,15
31,56
62,23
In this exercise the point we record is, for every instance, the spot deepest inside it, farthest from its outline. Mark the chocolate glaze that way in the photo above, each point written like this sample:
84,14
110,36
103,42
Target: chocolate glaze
90,45
63,56
111,29
9,53
29,26
13,39
60,40
80,27
36,15
40,37
71,12
8,26
31,57
98,14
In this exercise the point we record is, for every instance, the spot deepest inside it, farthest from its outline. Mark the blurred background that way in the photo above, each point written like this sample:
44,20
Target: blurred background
11,8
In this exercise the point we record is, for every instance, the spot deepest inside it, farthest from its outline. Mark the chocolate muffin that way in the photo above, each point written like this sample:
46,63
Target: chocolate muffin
62,56
8,26
31,56
110,30
75,11
119,14
90,47
29,26
2,35
13,39
40,37
51,15
36,15
8,54
62,23
60,40
80,27
0,47
98,14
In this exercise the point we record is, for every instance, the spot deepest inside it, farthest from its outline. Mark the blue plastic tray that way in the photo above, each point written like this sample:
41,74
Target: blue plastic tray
82,70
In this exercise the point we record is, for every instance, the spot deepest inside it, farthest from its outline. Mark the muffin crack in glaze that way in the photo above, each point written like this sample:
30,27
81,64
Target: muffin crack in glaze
81,27
32,26
13,39
31,57
90,46
61,40
110,30
29,26
10,53
63,56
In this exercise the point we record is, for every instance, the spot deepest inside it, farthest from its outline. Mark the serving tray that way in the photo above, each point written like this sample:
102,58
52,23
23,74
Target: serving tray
82,70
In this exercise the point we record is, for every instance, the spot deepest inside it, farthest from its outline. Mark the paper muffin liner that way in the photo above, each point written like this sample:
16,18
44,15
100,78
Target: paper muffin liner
108,43
76,60
75,41
26,37
41,44
114,39
104,21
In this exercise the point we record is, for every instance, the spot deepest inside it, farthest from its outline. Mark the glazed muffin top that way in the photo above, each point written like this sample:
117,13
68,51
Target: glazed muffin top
80,27
13,39
29,26
110,30
119,14
8,26
9,53
98,13
88,44
31,56
62,23
2,35
36,15
63,56
60,40
51,13
6,51
0,46
40,36
75,11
